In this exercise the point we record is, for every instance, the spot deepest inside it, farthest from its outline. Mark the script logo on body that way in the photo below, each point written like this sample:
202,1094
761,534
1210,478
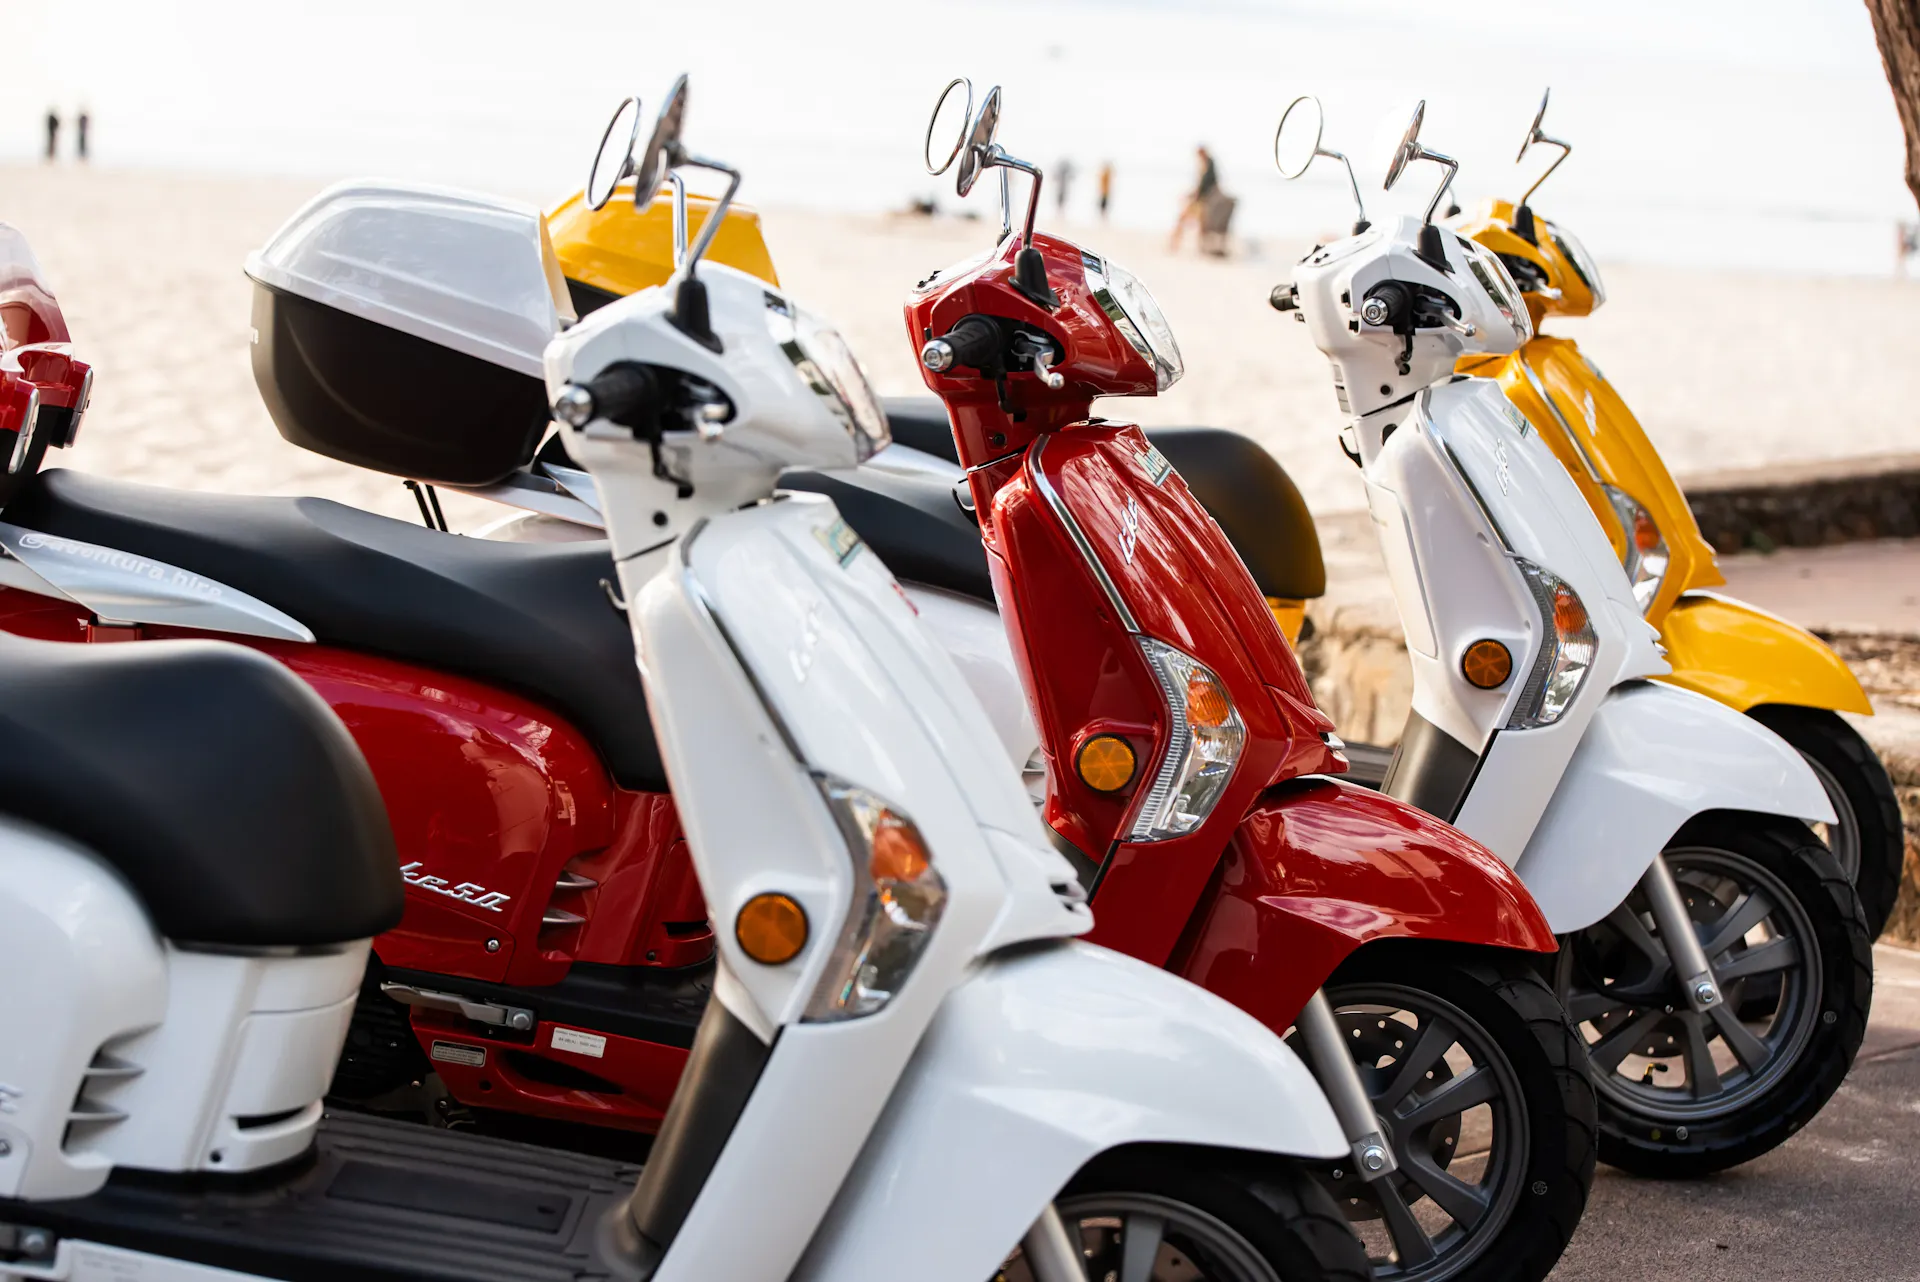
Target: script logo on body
1129,530
466,892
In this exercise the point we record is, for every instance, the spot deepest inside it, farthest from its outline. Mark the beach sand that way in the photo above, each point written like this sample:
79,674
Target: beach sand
1725,370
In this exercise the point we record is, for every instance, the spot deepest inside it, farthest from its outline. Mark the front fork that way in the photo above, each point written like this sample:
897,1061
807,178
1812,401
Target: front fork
1677,934
1339,1077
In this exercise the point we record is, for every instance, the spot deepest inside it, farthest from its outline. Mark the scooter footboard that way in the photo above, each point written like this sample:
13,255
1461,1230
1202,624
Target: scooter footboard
1037,1064
1653,758
1319,868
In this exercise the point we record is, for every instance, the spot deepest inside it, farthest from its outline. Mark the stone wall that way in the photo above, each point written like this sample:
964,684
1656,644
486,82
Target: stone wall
1808,504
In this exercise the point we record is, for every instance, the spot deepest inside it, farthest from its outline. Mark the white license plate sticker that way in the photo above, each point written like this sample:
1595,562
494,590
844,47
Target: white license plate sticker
572,1039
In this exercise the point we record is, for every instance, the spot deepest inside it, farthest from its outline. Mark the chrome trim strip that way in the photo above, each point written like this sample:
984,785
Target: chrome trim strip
127,588
1579,446
1079,537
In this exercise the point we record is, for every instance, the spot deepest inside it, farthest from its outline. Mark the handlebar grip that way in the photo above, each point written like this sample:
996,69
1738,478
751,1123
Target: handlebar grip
621,392
975,341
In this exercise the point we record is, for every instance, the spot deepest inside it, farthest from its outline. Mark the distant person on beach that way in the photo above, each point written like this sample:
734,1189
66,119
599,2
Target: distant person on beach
1062,183
80,134
1203,206
1106,187
53,133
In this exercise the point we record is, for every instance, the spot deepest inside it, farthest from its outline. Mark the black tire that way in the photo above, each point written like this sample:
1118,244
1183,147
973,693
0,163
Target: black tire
1228,1217
1803,1009
1540,1155
1874,853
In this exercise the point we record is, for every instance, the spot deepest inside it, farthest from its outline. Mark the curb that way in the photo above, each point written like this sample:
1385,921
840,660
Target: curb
1804,505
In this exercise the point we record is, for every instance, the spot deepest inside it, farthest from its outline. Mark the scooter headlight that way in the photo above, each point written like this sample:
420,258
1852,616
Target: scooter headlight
1583,265
827,365
1645,557
1201,752
898,897
1132,309
1566,654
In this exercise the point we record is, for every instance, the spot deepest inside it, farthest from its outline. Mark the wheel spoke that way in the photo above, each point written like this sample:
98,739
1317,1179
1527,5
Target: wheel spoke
1433,1041
1607,1053
1635,932
1464,1203
1747,912
1748,1049
1411,1245
1474,1087
1585,1007
1703,1076
1775,954
1140,1246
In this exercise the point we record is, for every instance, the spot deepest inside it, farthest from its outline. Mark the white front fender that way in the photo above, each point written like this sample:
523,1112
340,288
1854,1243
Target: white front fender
1653,758
1038,1063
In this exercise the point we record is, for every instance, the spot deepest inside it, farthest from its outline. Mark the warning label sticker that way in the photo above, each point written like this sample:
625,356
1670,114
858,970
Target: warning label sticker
459,1053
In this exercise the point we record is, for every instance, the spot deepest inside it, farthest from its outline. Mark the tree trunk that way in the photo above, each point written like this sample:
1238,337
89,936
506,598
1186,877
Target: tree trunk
1896,28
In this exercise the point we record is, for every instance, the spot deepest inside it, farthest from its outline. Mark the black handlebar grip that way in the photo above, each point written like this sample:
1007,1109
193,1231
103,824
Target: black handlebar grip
975,341
623,392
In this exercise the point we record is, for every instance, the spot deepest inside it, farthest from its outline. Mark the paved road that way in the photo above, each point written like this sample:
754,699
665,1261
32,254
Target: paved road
1839,1200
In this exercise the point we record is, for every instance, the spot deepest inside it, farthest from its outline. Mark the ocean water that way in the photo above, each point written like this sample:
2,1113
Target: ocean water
1757,135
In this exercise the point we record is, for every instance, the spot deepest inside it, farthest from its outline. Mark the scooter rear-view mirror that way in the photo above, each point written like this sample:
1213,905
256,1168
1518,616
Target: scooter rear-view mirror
1432,249
614,160
1298,141
1523,216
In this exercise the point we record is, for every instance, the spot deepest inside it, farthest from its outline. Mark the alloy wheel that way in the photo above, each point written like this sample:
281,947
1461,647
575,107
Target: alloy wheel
1650,1052
1143,1237
1454,1115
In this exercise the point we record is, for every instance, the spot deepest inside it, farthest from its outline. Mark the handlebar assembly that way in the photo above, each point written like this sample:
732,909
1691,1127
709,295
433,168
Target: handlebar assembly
623,393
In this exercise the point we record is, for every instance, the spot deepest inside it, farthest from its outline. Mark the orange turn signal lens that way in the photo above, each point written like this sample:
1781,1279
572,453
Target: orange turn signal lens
1105,763
1646,535
898,854
1486,664
1207,702
771,928
1569,616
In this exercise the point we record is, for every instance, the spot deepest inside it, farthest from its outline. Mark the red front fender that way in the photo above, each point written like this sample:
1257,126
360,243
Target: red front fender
1318,868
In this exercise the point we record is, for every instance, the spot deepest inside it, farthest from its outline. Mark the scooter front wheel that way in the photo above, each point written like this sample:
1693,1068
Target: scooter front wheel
1867,837
1477,1080
1686,1092
1153,1213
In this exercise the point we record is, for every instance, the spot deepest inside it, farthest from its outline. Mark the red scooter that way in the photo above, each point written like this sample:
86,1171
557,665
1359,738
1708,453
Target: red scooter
1190,772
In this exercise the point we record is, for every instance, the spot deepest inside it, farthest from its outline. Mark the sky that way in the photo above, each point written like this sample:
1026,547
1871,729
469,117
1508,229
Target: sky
1758,133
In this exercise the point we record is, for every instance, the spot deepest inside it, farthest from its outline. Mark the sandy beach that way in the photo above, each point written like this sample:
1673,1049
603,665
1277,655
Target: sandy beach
1726,370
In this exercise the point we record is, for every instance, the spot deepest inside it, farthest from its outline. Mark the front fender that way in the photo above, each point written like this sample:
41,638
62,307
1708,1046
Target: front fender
1319,868
1652,758
1742,656
1040,1062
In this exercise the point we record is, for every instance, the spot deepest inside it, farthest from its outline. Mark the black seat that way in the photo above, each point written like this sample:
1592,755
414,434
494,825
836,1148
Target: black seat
217,782
1238,482
915,524
527,617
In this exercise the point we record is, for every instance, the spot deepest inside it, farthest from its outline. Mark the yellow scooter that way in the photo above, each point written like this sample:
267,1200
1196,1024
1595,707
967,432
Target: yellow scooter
1781,675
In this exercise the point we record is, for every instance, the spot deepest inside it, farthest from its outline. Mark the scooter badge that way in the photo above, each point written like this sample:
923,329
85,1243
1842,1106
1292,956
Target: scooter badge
1129,530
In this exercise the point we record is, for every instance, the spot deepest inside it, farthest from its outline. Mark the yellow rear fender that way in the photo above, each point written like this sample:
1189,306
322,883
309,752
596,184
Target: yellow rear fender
1743,657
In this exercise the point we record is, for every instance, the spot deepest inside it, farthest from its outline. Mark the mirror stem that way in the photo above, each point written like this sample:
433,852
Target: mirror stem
1453,167
1565,151
679,220
1360,206
715,216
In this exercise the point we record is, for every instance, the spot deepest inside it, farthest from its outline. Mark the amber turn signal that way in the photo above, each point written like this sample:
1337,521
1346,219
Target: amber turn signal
771,928
1105,763
1486,664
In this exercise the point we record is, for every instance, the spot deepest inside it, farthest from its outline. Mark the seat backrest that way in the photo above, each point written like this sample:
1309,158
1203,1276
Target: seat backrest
222,788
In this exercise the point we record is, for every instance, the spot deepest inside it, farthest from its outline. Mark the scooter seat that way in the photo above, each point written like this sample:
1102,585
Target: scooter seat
916,525
1236,480
215,781
527,617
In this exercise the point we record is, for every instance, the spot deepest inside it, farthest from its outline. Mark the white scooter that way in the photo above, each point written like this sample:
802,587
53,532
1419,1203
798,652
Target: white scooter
908,1069
1722,989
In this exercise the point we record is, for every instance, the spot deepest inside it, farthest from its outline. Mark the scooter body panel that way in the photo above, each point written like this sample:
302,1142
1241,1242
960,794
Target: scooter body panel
1057,1054
497,806
1744,657
1320,867
1652,758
